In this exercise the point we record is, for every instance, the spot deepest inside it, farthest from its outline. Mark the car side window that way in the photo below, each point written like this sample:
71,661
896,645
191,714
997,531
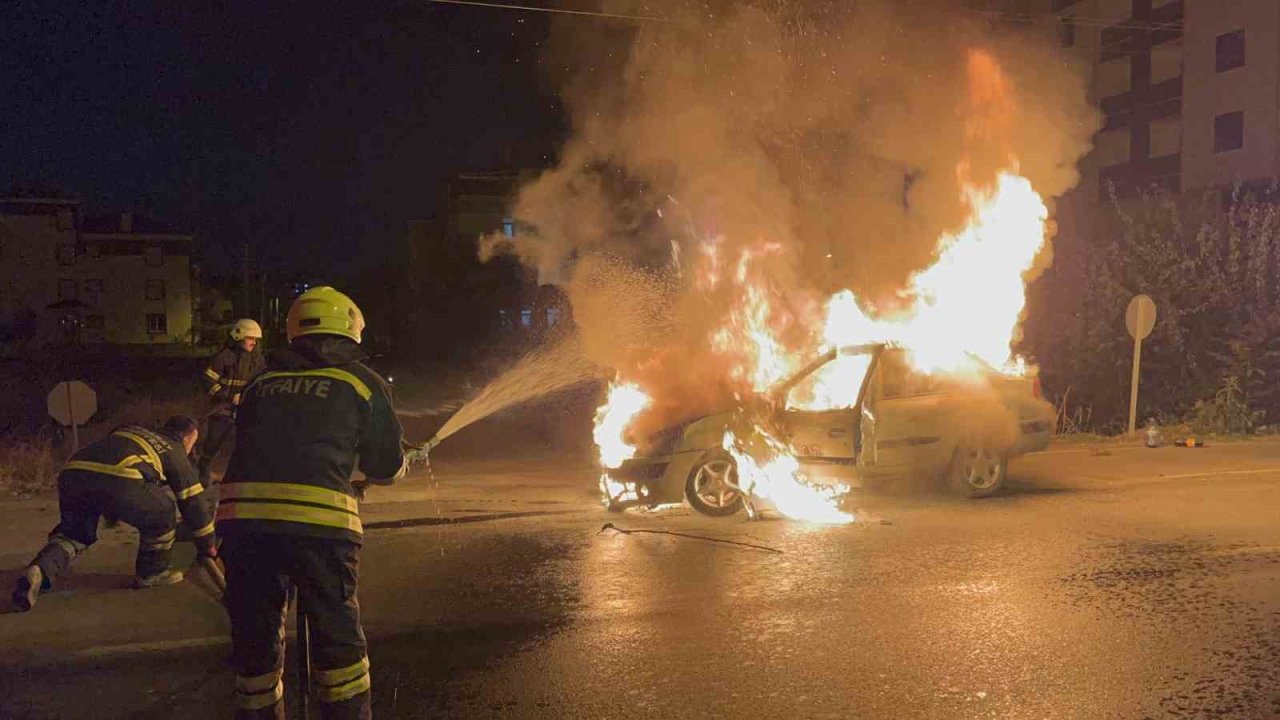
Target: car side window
898,379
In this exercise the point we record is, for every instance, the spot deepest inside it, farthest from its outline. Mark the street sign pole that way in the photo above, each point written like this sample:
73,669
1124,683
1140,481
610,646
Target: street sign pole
71,412
1133,392
1139,320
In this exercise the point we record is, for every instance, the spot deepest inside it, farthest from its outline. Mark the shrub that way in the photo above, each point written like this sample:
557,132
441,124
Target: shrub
28,466
1228,413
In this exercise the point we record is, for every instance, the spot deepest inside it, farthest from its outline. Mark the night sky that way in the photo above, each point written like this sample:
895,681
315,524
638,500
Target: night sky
312,130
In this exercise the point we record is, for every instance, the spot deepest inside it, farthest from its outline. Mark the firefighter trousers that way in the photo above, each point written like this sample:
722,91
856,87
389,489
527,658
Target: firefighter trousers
220,428
84,497
260,569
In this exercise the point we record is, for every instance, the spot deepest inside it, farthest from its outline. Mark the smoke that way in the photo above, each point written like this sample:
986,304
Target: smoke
826,140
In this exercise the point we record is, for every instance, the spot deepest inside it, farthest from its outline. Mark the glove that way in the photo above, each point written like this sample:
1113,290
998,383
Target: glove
207,547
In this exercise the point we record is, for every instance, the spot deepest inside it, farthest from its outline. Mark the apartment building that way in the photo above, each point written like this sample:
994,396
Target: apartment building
115,279
1190,89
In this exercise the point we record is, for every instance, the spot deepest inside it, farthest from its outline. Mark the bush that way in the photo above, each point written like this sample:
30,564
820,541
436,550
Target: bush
28,466
1227,413
1211,266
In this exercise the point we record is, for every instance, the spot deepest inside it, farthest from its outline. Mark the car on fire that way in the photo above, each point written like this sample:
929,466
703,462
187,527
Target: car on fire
897,423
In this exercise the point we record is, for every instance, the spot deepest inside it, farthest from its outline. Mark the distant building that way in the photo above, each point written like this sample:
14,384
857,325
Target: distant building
118,279
136,280
37,254
1189,89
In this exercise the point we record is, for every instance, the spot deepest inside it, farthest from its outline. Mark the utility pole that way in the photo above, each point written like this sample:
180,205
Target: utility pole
244,280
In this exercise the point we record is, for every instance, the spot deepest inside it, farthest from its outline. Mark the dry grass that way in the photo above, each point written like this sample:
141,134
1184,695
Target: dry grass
28,467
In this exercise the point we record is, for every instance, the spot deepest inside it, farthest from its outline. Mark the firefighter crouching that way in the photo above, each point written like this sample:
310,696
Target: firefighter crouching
124,476
287,511
228,374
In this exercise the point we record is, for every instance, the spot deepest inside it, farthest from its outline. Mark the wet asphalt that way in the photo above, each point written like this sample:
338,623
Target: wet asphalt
1100,585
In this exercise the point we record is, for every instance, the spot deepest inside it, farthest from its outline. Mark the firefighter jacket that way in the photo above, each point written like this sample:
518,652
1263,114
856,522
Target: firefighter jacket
148,456
299,429
229,373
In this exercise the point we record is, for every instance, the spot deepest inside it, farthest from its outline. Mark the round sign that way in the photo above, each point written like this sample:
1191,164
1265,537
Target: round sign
1140,318
72,402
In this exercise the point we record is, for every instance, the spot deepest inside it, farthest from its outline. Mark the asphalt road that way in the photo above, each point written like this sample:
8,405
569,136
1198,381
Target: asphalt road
1129,584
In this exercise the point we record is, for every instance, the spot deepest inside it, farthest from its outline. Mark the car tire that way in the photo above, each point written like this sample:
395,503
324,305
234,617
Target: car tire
705,489
977,472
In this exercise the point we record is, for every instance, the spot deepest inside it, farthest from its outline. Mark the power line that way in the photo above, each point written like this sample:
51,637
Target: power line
1084,21
562,11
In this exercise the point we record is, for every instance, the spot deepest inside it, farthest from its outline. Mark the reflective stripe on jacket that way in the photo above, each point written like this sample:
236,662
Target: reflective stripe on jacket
299,429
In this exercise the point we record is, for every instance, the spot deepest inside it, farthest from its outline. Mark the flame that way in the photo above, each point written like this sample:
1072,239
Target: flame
963,308
624,402
777,480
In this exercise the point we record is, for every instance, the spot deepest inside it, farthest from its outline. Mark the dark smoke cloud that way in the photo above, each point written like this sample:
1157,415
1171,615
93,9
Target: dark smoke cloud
833,130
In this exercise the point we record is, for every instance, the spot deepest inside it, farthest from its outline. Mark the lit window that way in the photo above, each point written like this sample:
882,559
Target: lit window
509,227
1230,51
526,318
1228,132
157,324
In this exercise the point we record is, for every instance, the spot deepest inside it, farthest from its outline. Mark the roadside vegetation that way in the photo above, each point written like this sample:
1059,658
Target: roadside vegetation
1212,265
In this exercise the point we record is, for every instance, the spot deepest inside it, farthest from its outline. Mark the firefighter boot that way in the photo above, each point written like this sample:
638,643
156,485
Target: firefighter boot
27,590
164,577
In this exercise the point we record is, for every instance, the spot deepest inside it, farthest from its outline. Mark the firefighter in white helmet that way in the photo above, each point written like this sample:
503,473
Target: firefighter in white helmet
288,511
228,374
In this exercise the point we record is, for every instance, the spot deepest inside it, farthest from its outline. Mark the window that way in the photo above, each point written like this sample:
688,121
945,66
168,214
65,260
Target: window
66,289
1228,132
157,324
1067,31
66,254
508,227
898,379
155,289
94,322
1230,51
154,255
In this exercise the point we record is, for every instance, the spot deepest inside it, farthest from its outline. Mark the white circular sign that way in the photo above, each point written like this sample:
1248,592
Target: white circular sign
1140,317
72,402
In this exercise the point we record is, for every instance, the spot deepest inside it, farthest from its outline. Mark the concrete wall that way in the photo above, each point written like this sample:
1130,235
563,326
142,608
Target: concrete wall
1252,89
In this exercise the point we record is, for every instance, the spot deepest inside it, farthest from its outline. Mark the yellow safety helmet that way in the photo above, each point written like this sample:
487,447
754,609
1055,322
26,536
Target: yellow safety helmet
323,310
246,328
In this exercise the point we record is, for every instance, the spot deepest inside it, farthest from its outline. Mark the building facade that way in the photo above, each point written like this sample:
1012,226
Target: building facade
116,279
1190,89
137,281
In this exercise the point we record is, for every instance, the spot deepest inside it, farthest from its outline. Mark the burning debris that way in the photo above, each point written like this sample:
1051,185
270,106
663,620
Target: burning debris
823,203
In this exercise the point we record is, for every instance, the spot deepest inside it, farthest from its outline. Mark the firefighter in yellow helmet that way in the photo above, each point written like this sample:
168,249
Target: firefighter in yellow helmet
287,511
228,374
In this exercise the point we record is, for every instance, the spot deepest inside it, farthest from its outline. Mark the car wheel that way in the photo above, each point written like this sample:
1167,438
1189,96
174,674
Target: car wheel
712,486
977,472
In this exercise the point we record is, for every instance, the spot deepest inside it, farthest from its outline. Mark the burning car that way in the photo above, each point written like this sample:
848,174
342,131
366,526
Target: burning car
860,415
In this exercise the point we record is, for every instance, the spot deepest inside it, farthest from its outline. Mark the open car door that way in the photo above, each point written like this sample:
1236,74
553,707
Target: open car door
903,418
822,412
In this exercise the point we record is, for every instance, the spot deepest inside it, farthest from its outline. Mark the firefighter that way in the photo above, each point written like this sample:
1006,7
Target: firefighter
287,511
124,477
228,374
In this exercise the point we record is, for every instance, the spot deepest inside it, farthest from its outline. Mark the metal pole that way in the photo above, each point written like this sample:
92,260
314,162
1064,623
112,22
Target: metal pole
1133,387
71,415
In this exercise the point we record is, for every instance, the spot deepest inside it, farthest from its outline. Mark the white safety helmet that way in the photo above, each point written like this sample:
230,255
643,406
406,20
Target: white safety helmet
245,328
